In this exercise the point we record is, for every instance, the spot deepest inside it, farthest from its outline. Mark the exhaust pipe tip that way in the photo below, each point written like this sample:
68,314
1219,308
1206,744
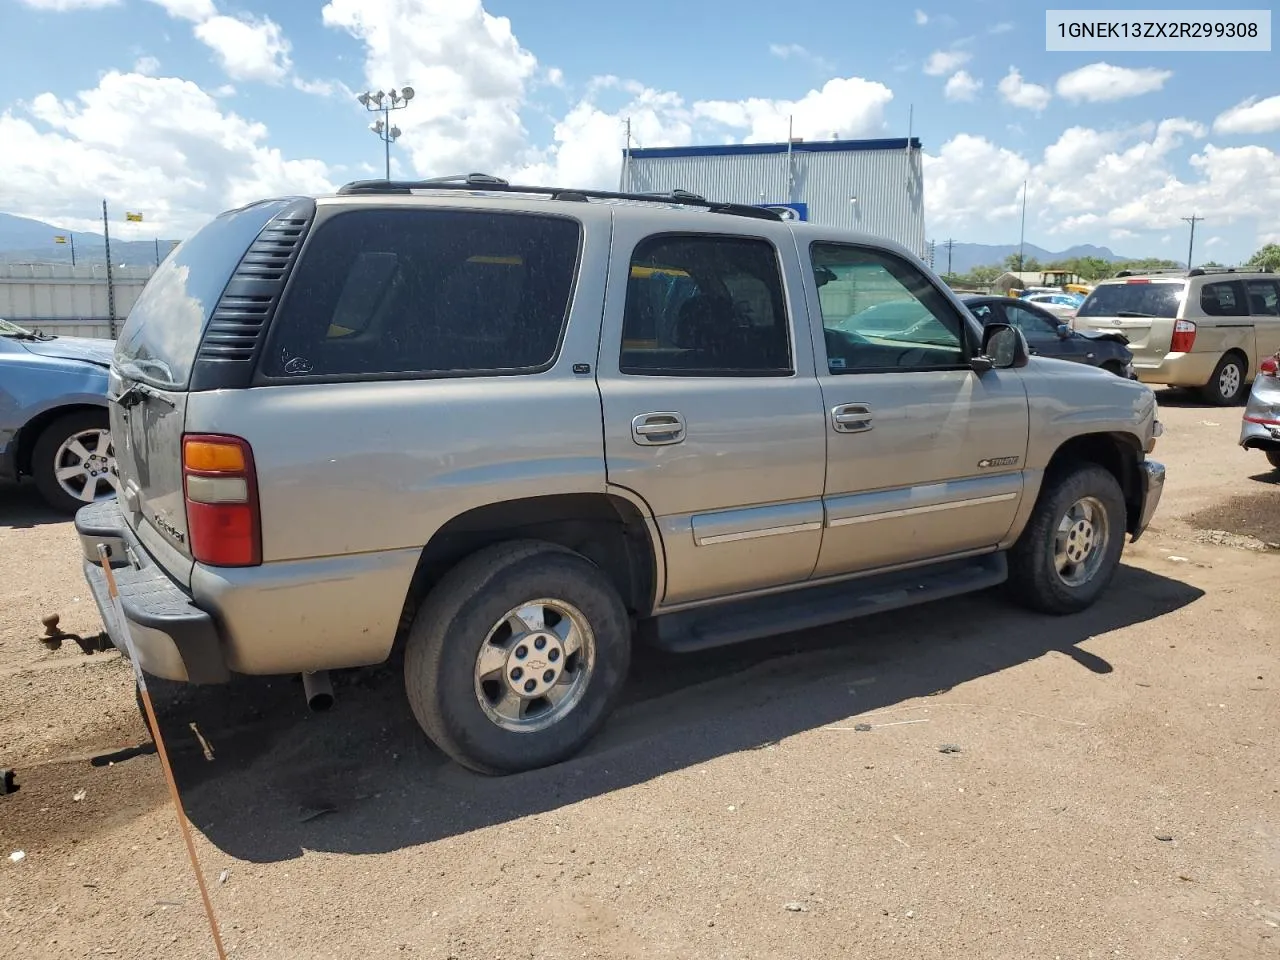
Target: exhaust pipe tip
318,690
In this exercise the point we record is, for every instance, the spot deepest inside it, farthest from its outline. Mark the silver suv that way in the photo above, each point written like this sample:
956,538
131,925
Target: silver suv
518,429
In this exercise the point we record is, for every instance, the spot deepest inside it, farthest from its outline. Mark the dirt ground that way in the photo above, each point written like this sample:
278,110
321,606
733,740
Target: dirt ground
1116,792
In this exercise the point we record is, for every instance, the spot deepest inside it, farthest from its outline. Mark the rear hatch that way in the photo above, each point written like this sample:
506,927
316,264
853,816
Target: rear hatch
153,364
1142,310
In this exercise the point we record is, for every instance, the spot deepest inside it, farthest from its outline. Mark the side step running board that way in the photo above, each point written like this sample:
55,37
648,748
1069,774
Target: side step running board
806,608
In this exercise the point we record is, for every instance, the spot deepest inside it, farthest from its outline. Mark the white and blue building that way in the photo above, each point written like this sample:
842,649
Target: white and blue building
873,186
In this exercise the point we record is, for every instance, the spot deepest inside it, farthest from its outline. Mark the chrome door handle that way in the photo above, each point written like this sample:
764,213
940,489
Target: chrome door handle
851,418
656,429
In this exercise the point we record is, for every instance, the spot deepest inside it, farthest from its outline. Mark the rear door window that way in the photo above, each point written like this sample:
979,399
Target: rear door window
426,292
162,334
1264,298
1225,299
1144,298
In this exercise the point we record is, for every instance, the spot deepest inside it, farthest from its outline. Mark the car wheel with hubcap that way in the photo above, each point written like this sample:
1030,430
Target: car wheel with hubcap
1071,546
1273,458
517,657
1227,385
73,462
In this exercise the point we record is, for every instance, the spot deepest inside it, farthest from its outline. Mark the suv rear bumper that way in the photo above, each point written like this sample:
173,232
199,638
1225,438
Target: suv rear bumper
172,637
1152,475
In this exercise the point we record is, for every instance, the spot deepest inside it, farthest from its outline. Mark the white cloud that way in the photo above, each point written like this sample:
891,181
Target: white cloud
474,68
1003,26
156,144
848,106
973,180
961,86
1214,242
147,66
1018,93
248,48
1103,82
942,62
789,51
555,76
1250,116
62,6
193,10
922,18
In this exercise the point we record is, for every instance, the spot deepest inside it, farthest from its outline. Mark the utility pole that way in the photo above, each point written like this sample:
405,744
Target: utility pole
71,239
950,244
1191,245
111,289
157,251
1022,236
624,178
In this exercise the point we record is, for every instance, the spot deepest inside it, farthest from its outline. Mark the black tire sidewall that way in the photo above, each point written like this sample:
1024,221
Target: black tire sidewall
43,468
1035,573
1212,390
458,724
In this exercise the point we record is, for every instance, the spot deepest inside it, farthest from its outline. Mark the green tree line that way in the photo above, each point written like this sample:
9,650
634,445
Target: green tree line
1092,269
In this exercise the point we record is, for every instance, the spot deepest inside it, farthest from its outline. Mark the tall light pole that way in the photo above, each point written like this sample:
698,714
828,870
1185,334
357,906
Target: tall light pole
383,102
1191,244
1022,236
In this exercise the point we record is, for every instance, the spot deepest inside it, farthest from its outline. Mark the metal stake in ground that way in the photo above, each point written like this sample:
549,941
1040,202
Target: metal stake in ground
104,558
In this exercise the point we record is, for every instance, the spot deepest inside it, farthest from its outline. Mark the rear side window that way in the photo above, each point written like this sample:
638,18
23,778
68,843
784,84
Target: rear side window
162,333
1264,298
1146,298
381,292
1223,300
705,306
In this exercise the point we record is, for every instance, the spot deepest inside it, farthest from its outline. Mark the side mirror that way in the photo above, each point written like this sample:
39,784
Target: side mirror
1003,348
1064,331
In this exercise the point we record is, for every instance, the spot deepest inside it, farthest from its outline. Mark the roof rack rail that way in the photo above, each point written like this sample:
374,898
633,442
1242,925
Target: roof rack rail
1201,271
487,182
1151,273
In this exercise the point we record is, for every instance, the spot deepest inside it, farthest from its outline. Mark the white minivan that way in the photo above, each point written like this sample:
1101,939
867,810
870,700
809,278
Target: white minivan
1206,328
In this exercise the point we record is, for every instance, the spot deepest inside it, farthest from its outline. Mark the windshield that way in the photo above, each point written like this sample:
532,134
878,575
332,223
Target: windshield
1159,298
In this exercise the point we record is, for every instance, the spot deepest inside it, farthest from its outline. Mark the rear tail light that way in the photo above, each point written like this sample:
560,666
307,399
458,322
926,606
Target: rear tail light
1184,337
221,490
1268,367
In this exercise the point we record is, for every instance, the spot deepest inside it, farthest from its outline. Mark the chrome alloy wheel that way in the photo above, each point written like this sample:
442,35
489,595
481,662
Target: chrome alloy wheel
1229,379
534,666
1080,543
85,466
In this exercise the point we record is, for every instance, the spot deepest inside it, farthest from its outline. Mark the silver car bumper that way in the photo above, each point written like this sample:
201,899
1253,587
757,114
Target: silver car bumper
1260,426
1152,488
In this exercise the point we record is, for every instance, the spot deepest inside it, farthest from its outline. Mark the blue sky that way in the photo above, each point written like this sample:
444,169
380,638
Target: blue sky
182,107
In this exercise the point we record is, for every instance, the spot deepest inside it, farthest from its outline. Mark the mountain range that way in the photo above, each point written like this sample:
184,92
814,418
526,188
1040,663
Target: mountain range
966,256
23,240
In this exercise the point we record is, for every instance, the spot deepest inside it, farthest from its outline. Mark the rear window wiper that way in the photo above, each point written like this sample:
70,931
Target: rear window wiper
1134,314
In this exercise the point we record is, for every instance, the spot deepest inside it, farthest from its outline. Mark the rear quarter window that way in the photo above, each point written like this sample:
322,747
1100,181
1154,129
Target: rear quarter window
1224,299
425,292
160,338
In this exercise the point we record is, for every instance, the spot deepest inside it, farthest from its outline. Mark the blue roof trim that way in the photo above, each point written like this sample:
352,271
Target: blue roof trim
759,149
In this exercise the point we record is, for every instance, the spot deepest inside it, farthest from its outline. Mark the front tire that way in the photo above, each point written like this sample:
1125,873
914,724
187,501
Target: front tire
1273,458
1227,385
73,462
516,659
1072,543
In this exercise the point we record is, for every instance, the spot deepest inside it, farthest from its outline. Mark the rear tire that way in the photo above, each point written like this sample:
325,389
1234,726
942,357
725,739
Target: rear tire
517,657
1071,546
80,442
1227,386
1273,458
